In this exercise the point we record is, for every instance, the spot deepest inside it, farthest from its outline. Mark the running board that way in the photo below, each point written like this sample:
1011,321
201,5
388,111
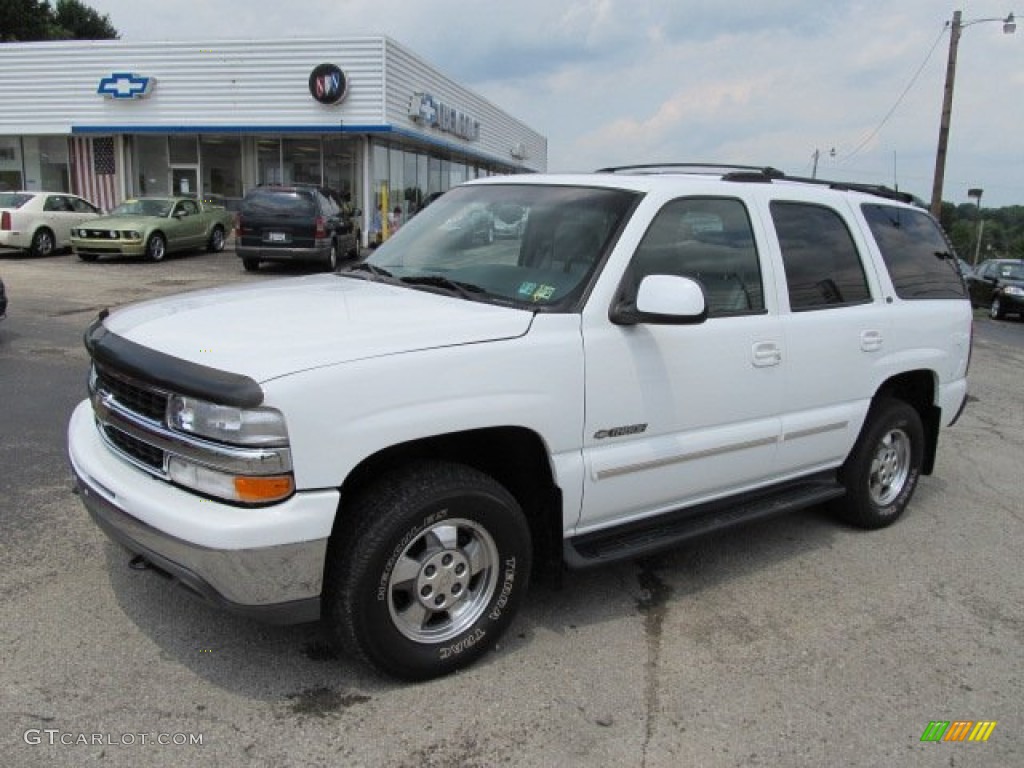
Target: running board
645,537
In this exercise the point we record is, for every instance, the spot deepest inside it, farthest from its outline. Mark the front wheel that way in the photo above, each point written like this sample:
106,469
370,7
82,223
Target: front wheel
882,471
156,248
433,572
996,310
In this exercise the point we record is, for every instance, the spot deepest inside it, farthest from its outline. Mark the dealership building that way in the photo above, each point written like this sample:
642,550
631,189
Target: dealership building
363,115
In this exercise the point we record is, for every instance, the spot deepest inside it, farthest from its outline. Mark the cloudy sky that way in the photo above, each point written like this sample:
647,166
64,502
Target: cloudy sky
765,82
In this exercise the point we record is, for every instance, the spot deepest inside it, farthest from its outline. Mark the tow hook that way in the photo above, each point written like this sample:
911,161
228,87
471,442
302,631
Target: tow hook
139,563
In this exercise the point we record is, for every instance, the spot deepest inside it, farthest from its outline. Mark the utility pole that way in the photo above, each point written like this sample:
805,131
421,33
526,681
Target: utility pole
956,27
947,110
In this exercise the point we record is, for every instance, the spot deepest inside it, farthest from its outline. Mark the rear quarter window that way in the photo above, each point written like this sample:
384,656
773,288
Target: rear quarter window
13,199
921,263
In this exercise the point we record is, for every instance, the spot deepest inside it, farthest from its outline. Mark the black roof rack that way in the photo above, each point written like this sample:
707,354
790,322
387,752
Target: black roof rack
763,174
879,190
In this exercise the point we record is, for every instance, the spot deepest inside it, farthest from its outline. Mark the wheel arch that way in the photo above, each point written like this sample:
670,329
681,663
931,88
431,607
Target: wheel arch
917,389
514,456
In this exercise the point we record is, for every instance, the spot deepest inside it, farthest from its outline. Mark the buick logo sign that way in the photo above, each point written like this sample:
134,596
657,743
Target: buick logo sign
328,84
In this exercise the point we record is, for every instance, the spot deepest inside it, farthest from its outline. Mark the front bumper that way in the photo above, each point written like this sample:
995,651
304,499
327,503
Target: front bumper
108,247
266,563
1011,302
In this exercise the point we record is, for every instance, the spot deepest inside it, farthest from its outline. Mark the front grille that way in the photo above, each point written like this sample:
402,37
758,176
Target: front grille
138,450
134,397
97,249
101,234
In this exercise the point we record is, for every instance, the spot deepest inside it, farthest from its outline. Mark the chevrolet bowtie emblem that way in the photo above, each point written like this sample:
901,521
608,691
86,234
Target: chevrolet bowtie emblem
125,85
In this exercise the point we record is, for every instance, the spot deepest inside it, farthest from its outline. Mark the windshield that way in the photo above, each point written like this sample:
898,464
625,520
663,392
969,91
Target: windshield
143,208
1011,271
531,245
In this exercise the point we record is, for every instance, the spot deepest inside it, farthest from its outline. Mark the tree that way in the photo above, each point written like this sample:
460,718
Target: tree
24,20
77,21
30,20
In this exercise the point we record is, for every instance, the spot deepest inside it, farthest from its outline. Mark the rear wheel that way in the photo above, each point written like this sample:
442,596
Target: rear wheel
216,241
43,243
431,574
251,265
156,247
882,471
332,258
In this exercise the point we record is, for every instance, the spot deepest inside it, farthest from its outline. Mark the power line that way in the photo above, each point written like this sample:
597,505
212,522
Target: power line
899,101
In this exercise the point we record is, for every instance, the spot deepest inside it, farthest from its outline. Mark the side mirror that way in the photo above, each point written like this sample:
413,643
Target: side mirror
664,300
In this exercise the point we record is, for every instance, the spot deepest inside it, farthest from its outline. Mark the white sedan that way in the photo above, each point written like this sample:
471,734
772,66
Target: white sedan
41,222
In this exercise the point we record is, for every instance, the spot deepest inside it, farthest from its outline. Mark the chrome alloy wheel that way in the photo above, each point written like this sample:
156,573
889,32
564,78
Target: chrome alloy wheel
890,467
443,581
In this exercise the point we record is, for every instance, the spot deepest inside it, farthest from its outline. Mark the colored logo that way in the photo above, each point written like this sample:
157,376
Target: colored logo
125,85
959,730
328,84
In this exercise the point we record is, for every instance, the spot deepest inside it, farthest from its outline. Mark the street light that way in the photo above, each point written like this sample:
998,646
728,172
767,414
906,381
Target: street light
975,194
956,27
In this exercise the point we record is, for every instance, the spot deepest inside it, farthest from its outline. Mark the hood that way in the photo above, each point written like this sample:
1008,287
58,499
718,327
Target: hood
128,221
273,329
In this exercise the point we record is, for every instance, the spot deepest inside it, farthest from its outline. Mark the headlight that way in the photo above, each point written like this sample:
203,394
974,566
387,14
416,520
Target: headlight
1013,290
226,423
132,236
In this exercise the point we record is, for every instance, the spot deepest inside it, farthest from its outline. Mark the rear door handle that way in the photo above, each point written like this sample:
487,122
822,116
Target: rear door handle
870,341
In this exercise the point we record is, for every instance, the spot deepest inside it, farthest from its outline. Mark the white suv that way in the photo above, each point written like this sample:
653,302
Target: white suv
652,354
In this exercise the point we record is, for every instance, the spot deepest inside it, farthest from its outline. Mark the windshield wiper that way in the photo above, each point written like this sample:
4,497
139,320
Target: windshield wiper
465,290
363,266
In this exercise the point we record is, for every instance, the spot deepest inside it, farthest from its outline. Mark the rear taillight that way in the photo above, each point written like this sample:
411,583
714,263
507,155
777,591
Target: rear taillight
321,227
5,221
238,225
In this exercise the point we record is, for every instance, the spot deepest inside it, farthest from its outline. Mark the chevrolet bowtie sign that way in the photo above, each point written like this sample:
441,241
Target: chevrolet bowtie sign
125,85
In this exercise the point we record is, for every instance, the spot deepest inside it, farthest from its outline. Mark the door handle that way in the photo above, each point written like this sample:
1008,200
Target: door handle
765,354
870,341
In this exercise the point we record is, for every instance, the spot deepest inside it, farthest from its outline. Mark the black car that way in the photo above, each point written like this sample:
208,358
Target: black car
999,285
296,222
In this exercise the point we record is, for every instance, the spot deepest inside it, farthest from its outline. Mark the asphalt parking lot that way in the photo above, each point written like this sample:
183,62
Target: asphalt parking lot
792,642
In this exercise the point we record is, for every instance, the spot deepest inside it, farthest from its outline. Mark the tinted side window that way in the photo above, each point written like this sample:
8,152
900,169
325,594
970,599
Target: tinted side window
711,241
920,262
823,267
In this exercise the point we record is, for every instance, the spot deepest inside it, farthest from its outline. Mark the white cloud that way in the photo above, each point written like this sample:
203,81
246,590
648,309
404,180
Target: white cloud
624,81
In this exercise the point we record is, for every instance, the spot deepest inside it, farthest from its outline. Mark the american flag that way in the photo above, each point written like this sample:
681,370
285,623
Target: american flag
95,171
